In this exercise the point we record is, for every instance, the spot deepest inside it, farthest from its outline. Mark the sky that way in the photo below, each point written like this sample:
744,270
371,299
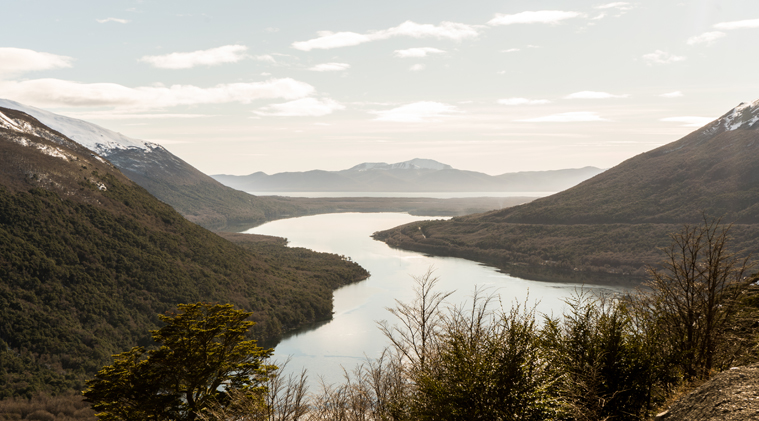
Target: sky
235,87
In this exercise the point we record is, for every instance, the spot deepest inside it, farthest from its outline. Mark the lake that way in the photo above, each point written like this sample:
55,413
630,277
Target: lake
352,335
434,195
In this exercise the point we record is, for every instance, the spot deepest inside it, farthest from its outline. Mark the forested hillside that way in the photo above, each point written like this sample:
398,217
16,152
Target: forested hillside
615,221
88,258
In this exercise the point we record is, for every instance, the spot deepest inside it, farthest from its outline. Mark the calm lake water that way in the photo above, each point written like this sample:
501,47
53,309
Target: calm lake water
352,335
435,195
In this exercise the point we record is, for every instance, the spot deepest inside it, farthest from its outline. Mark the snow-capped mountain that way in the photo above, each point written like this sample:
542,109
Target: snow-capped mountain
91,136
744,116
195,195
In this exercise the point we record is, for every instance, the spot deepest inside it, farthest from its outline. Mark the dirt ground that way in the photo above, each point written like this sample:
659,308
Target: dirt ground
732,395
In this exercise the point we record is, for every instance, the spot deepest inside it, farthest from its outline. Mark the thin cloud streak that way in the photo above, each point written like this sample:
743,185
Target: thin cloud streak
523,101
210,57
446,30
662,57
707,38
20,60
621,5
417,52
330,67
305,107
551,17
117,20
63,93
417,112
593,95
738,24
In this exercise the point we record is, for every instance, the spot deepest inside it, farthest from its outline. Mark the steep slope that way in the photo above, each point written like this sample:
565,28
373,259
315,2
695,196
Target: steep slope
615,221
713,169
88,258
416,175
197,196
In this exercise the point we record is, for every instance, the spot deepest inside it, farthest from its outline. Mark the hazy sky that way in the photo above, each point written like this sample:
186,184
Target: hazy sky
290,85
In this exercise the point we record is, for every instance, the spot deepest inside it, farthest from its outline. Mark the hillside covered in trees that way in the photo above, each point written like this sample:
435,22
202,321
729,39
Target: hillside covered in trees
616,221
88,259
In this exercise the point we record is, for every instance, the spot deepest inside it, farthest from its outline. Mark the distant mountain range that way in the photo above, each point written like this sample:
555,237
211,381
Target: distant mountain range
205,201
416,175
615,221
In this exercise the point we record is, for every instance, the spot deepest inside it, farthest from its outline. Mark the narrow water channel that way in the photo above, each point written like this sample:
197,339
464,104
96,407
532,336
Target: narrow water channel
352,335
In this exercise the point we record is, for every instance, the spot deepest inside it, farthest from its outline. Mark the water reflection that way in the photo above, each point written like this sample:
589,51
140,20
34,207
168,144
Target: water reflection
352,335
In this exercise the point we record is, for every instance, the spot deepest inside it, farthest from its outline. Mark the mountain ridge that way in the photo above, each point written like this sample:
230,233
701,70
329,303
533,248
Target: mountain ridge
416,175
88,258
616,221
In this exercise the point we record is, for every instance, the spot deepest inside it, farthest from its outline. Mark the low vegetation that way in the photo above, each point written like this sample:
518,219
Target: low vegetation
608,357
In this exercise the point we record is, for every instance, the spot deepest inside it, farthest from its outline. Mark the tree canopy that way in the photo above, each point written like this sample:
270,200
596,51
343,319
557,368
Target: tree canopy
203,355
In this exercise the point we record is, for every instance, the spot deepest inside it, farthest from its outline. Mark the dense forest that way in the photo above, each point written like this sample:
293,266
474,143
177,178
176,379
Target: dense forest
88,259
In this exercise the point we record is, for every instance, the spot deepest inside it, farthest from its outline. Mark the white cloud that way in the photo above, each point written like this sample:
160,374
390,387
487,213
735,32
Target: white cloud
417,112
523,101
593,95
543,16
304,107
117,20
417,68
511,50
689,121
661,57
573,117
328,40
330,67
210,57
675,94
707,38
738,24
62,93
621,5
19,60
418,52
446,30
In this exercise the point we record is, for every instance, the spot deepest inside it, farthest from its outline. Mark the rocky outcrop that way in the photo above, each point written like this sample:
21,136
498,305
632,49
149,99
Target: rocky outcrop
732,395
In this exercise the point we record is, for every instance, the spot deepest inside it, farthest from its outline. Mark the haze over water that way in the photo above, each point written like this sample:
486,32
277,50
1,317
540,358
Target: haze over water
353,335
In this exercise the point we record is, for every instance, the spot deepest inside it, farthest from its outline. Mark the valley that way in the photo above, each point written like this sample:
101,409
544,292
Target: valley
112,256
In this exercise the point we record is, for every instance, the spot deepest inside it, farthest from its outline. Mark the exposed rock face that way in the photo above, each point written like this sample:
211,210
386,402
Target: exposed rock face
732,395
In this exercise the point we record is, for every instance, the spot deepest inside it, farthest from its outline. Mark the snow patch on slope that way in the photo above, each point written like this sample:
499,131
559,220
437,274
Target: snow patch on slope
91,136
744,116
7,123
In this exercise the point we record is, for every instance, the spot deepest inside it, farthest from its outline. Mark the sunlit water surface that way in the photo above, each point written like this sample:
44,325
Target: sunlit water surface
352,335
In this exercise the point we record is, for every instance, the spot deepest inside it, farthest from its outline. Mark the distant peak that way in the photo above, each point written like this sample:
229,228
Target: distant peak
414,164
744,116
